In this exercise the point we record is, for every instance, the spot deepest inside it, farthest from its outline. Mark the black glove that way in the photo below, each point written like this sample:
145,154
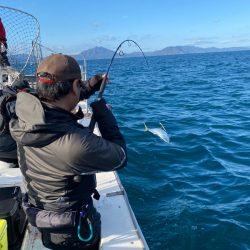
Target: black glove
95,82
103,116
90,86
99,109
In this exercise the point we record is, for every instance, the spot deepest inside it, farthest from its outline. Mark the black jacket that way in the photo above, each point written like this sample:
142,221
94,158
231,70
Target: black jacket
8,151
53,148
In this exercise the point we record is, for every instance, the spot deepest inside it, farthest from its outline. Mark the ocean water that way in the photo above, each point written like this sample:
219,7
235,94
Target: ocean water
193,193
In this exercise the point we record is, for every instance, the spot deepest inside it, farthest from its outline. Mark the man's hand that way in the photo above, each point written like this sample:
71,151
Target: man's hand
96,81
92,85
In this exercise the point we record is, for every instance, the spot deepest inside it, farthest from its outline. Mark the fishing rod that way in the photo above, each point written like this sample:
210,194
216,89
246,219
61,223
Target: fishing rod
104,81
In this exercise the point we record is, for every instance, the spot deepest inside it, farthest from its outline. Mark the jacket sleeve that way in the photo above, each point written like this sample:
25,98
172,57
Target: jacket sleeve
104,153
107,123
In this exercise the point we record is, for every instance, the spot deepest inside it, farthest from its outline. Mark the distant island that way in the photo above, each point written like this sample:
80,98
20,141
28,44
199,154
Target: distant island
103,53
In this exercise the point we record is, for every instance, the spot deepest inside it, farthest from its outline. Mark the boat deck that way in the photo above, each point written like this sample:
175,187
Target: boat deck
119,226
120,229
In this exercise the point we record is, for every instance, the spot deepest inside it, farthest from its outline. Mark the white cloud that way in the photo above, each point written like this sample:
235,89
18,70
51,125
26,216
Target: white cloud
201,40
96,25
219,41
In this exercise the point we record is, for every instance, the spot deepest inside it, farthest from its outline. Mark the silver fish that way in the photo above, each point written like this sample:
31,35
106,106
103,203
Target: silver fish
161,132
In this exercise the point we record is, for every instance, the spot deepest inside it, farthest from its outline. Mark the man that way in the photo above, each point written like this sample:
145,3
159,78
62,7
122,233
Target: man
58,157
8,152
3,47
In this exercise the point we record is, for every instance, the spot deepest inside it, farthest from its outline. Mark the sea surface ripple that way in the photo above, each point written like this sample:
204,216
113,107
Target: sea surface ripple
193,193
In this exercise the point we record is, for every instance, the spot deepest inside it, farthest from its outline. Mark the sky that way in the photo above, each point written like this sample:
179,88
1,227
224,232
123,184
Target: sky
76,25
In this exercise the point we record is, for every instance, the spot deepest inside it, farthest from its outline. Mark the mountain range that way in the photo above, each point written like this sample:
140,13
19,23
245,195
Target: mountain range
103,53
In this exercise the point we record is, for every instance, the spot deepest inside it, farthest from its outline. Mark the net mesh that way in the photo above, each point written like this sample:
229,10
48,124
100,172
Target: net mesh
23,39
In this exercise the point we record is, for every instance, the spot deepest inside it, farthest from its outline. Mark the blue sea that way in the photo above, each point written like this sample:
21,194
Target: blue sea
193,193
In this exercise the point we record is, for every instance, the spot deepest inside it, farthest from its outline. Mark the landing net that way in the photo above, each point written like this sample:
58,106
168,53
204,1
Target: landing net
23,39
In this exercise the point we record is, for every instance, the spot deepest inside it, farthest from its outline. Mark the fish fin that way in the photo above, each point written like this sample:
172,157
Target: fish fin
145,128
163,127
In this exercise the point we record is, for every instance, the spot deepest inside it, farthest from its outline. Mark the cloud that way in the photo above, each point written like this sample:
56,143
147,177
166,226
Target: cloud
147,42
227,41
217,20
244,40
47,49
107,41
111,42
106,38
202,40
73,49
141,37
240,38
235,42
96,24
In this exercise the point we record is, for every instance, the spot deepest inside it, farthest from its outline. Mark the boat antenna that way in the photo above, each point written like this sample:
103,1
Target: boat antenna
104,81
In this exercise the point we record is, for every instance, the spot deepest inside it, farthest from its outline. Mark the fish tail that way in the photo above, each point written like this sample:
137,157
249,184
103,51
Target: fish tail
145,128
163,127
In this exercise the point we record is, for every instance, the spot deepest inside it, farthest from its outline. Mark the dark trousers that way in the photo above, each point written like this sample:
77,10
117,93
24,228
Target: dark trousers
68,239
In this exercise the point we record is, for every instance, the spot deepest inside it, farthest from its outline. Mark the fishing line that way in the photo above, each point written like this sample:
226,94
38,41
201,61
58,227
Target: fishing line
104,81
